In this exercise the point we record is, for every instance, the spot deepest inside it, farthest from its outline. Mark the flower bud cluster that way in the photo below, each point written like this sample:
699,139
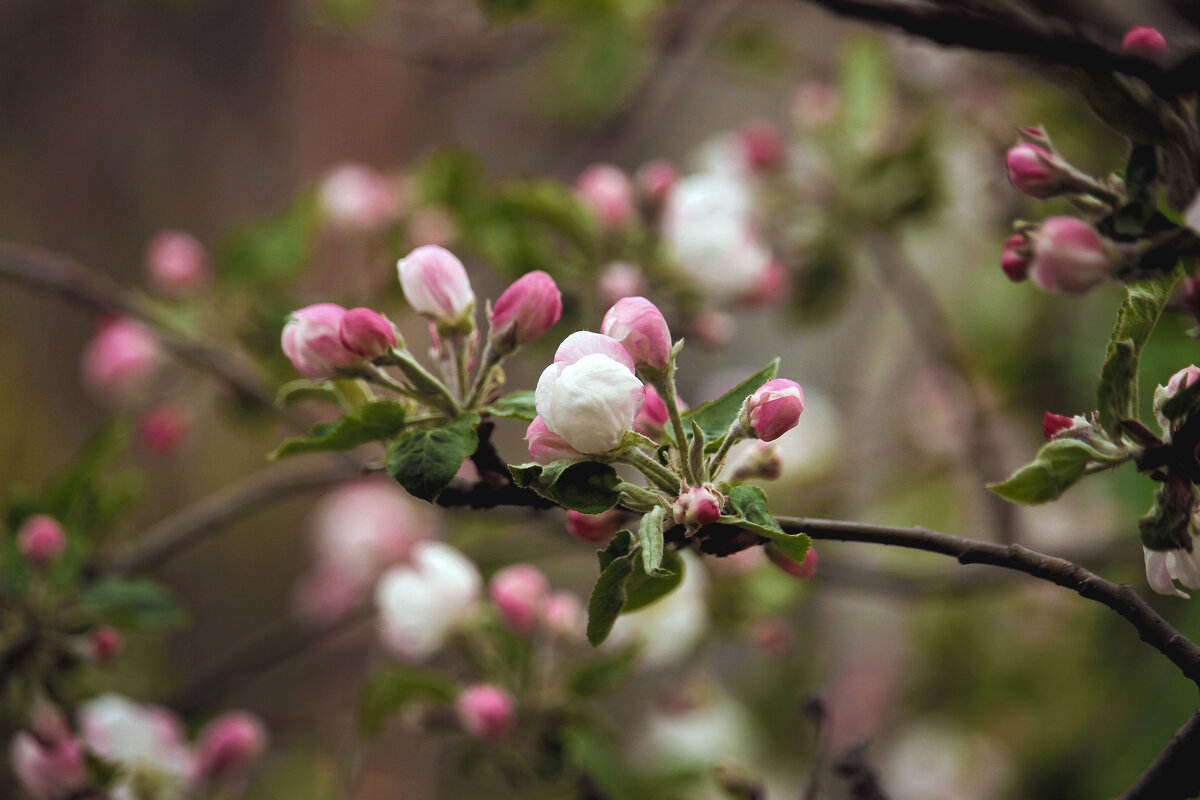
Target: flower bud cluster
522,597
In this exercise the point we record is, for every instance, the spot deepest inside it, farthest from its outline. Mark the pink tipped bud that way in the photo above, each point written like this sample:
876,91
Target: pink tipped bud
312,340
1144,40
367,333
230,746
1182,379
176,263
608,193
697,507
546,446
639,326
358,196
525,311
1035,172
797,569
48,770
436,285
562,614
593,528
619,280
815,104
485,711
120,360
774,409
655,180
517,592
163,428
105,644
1016,257
1069,256
652,419
762,144
1054,424
41,540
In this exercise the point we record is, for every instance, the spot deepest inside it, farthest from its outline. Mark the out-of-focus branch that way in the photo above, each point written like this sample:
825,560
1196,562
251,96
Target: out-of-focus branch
1048,41
854,769
65,277
1173,775
1152,628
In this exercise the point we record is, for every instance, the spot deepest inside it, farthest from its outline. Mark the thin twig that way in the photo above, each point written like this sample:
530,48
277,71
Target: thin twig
1173,774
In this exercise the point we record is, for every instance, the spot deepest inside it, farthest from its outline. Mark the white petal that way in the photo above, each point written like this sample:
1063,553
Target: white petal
1157,573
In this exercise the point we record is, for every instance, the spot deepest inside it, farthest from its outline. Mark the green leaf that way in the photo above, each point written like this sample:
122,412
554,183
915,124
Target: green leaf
395,686
608,598
272,251
304,389
650,535
715,416
642,589
381,419
585,486
424,461
749,504
1059,464
1117,394
133,602
518,405
622,544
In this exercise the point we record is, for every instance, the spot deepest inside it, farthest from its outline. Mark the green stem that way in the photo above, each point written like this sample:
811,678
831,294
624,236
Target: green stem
429,389
377,375
732,436
656,473
487,363
666,387
459,343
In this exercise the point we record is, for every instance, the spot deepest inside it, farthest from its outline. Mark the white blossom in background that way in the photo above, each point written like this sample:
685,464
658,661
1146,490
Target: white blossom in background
421,603
938,762
147,744
709,228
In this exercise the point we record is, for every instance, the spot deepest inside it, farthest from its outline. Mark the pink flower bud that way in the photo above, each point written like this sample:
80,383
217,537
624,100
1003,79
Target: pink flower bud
762,144
1015,259
593,528
517,592
639,326
618,280
163,428
120,360
562,614
527,309
697,507
608,193
1054,424
797,569
50,770
367,333
655,180
586,343
1182,379
41,540
312,340
546,446
176,263
1069,256
105,644
774,408
485,711
815,104
435,284
230,746
358,196
591,403
771,288
1034,173
1144,40
654,416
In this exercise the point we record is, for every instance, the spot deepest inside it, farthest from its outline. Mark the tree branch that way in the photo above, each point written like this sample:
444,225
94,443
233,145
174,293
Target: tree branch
950,23
65,277
1173,774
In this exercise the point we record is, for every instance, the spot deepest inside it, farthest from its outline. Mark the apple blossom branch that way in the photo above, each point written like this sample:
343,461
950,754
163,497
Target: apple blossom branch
961,25
68,279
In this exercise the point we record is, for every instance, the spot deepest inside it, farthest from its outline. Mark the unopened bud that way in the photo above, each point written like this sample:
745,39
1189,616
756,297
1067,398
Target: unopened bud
1144,40
367,333
762,144
1035,172
105,644
120,360
230,746
176,263
655,180
41,540
697,507
653,416
163,428
312,340
608,193
1056,426
1069,256
526,310
485,711
1016,257
546,446
641,329
774,408
517,592
436,285
358,196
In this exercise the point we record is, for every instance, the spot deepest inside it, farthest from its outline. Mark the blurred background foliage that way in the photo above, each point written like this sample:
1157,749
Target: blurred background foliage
123,118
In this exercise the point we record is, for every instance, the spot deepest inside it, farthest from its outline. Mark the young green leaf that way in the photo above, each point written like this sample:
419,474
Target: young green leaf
749,505
134,602
425,460
304,389
650,535
585,486
642,589
1059,464
608,598
381,419
715,416
518,405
